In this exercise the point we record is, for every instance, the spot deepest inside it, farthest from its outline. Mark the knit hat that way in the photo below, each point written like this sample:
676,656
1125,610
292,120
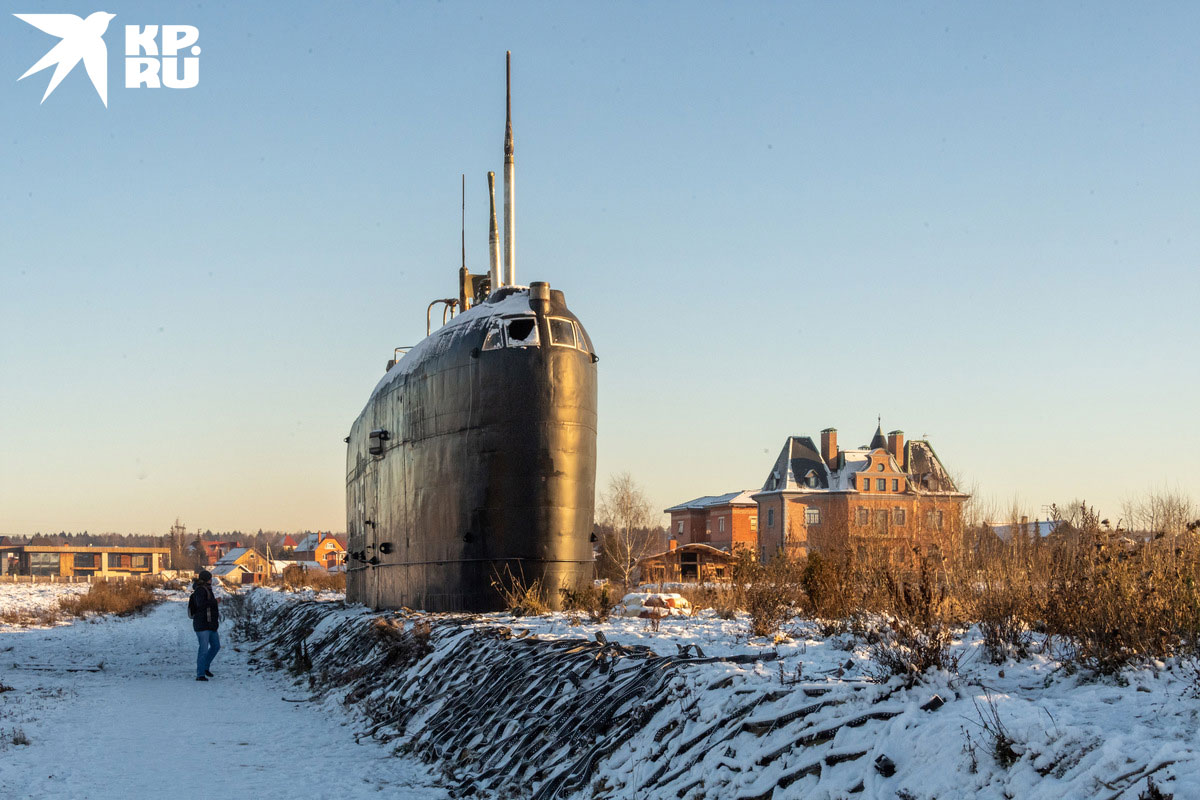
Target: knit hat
205,576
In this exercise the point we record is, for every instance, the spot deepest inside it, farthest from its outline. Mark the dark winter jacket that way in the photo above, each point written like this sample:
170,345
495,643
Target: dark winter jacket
202,608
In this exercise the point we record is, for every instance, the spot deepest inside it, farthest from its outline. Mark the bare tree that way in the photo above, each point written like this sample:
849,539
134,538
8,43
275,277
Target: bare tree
624,508
1164,511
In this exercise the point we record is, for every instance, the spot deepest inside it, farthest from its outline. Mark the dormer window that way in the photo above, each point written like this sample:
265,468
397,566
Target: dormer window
879,467
810,479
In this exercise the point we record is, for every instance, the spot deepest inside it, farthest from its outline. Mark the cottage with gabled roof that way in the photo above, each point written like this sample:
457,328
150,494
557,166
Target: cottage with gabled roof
242,565
882,499
326,549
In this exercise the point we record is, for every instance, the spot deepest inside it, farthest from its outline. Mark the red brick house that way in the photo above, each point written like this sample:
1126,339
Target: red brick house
882,499
722,521
213,550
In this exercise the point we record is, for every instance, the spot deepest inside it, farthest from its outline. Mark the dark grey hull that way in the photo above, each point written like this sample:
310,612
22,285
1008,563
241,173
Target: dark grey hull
486,470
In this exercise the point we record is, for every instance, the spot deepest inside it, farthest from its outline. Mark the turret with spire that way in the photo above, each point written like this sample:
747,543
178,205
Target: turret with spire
879,440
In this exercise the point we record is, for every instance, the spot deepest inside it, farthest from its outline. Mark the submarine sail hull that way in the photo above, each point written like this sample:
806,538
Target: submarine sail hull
474,465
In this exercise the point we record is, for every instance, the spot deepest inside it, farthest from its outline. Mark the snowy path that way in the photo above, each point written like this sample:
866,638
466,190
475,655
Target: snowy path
143,727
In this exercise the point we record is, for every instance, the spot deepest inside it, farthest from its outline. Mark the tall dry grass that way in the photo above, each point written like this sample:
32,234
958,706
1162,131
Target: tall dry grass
296,577
110,597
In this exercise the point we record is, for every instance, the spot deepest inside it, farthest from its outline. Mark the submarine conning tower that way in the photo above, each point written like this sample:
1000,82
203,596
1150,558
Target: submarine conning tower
473,464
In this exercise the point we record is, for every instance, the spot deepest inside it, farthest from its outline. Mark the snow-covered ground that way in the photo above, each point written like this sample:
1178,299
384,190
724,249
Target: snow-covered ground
790,718
29,598
143,727
1070,735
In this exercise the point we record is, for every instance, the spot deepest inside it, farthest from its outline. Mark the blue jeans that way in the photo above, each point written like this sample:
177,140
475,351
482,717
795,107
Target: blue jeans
210,643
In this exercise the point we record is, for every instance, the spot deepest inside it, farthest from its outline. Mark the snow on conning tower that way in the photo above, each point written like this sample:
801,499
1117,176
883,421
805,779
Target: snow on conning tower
510,244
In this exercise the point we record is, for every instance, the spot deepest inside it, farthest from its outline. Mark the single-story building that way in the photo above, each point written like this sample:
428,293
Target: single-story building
234,574
69,562
686,563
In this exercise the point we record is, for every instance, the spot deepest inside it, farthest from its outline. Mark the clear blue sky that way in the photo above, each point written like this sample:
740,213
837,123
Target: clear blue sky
977,220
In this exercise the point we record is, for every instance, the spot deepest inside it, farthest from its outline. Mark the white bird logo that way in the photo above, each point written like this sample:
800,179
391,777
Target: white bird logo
82,39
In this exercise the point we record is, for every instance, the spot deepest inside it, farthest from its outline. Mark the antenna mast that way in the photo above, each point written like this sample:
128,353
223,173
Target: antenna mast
464,220
494,235
510,245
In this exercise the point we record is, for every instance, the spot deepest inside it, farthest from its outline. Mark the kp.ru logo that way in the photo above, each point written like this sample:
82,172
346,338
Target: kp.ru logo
152,57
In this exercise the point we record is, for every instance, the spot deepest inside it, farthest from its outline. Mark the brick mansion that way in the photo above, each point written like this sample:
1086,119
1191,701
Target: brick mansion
882,499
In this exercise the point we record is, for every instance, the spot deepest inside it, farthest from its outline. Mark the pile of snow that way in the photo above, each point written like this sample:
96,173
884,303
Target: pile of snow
654,604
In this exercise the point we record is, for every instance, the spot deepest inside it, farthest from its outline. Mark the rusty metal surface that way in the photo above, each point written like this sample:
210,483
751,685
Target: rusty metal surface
487,467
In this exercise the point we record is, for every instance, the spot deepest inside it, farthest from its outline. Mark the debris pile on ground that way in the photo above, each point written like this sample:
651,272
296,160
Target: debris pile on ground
648,605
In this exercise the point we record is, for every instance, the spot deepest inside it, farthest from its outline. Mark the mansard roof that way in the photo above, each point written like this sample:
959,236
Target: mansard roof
798,459
925,470
800,467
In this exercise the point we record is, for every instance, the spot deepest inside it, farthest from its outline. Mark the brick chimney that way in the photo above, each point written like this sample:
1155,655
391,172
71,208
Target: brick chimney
829,448
674,543
896,447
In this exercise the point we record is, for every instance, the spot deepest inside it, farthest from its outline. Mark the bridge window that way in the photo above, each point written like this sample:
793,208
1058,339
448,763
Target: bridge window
581,339
522,332
562,332
495,337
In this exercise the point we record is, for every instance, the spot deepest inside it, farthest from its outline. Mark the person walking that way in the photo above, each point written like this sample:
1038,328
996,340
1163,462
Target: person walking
206,617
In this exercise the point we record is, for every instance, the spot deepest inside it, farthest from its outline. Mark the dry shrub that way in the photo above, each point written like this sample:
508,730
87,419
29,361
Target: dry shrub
1105,600
404,647
830,585
1003,745
296,577
1112,605
1152,792
109,597
773,592
724,599
920,634
244,614
522,598
594,601
328,582
42,616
